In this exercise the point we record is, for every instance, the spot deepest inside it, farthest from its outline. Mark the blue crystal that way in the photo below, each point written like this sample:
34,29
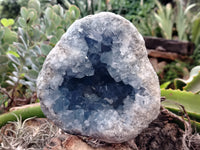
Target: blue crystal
97,92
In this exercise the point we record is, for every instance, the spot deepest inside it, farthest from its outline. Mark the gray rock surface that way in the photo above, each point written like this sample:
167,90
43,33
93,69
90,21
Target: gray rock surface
98,82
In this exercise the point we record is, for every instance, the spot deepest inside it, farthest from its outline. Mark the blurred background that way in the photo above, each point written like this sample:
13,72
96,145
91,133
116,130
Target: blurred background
29,29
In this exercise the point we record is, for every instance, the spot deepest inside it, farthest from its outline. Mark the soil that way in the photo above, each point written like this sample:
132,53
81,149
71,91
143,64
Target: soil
164,133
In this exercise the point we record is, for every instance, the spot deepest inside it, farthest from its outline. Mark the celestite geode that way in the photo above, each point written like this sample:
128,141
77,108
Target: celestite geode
98,82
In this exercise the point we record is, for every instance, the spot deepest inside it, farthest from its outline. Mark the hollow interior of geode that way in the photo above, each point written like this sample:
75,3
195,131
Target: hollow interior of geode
97,92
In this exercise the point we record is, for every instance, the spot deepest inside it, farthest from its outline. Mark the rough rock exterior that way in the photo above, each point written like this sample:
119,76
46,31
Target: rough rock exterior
98,82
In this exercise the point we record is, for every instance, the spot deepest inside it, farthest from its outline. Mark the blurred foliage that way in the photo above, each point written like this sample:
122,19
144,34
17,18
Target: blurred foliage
165,19
171,71
143,18
195,36
23,51
192,84
127,8
11,8
183,19
185,95
178,21
37,26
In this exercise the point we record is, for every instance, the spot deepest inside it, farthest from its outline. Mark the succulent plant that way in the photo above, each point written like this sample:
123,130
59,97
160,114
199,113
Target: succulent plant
185,94
192,84
23,52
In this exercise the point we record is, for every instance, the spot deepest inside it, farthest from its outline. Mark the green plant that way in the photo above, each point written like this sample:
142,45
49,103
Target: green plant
182,20
189,97
37,33
24,113
7,22
83,5
143,19
171,71
10,8
196,30
165,18
196,55
189,100
7,35
192,84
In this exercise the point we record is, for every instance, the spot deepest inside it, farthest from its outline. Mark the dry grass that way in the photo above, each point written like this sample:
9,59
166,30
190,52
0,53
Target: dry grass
26,135
20,136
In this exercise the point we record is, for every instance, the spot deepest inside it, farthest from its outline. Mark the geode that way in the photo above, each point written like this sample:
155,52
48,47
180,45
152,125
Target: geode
98,82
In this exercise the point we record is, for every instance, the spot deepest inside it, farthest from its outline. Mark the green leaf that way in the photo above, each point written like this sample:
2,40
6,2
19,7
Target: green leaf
45,49
32,16
6,103
23,35
194,85
179,83
165,85
9,36
195,117
24,12
57,9
34,4
13,78
53,41
49,13
13,53
22,22
37,49
37,34
13,58
22,74
59,33
1,34
74,11
31,75
189,100
7,22
57,19
196,30
41,60
20,49
10,82
5,46
3,59
164,18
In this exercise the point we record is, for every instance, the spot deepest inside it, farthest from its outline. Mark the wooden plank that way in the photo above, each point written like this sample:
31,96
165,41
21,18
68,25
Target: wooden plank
166,55
175,46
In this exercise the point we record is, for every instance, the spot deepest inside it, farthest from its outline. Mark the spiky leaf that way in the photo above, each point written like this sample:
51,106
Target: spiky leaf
165,85
189,100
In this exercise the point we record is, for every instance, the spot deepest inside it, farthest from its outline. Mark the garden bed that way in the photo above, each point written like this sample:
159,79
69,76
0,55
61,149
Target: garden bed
166,132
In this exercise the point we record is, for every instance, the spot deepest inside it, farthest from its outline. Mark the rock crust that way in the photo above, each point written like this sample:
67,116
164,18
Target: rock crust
98,82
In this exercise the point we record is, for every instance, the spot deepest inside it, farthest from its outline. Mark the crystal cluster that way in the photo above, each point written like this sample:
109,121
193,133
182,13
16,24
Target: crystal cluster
98,82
